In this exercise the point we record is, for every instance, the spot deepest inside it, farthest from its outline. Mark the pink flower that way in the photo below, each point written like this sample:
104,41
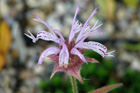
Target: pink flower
69,54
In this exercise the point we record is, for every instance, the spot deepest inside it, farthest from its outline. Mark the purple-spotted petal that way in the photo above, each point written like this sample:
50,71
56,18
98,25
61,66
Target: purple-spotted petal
47,52
46,36
95,46
64,56
76,52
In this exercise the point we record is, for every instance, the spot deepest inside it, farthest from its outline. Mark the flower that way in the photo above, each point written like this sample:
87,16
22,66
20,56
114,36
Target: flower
69,54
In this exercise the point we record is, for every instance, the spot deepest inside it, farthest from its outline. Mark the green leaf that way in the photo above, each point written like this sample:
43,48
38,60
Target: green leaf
106,88
92,54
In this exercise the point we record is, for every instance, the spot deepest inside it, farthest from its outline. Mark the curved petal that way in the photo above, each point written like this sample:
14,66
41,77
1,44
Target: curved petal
56,31
47,52
46,36
42,35
64,56
42,21
95,46
76,52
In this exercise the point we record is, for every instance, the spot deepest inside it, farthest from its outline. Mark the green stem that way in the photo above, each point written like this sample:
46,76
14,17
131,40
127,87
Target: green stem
74,87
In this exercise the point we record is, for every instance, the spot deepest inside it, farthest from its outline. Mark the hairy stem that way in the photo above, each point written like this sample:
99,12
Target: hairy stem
74,86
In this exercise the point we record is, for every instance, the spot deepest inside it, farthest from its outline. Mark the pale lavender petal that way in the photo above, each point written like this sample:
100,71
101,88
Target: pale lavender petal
61,42
47,52
42,21
95,46
77,27
76,52
80,43
56,31
46,36
64,56
85,32
72,28
80,34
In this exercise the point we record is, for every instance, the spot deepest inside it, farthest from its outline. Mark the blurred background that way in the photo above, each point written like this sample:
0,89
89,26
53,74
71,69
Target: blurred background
19,56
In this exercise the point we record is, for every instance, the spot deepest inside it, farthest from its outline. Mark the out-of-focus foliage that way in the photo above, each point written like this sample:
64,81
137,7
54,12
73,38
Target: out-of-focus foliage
107,8
133,47
132,3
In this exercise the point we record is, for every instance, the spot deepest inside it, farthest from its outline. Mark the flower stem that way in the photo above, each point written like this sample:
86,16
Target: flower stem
74,87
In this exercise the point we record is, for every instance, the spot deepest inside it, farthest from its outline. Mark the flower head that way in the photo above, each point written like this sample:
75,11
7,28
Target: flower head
69,54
